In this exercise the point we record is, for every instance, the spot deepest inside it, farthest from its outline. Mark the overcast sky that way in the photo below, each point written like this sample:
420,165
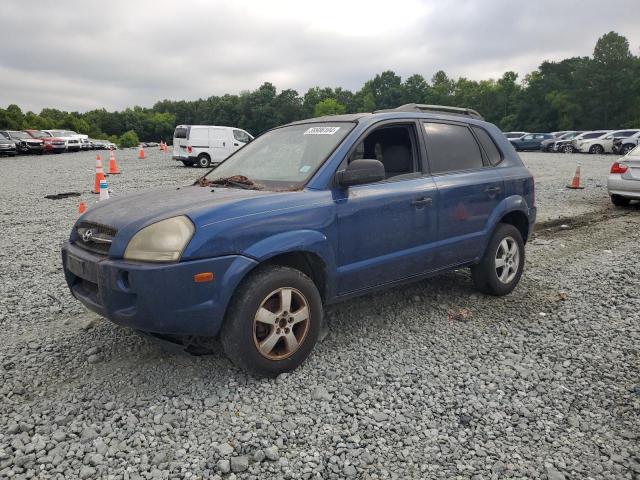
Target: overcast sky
80,55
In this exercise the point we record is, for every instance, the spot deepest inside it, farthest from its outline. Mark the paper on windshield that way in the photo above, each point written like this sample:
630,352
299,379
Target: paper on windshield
322,130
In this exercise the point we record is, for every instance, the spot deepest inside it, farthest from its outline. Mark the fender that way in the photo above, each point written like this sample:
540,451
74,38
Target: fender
513,203
310,241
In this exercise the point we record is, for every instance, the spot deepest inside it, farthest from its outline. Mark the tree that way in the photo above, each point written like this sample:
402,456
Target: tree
129,139
328,106
582,93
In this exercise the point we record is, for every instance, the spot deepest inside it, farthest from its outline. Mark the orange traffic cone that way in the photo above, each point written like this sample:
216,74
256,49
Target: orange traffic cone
82,208
141,152
99,175
113,166
575,183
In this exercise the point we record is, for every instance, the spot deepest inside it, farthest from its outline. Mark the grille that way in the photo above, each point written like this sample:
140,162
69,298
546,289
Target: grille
100,239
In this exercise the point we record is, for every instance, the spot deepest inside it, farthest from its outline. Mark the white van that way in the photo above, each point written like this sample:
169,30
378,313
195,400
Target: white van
206,145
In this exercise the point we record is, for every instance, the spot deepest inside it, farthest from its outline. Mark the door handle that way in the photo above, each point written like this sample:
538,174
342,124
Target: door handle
422,202
235,144
492,190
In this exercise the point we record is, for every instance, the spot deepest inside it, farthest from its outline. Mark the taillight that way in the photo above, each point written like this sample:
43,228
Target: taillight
189,149
619,168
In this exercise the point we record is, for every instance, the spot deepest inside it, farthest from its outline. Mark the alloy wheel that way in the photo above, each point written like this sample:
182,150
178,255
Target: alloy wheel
507,260
281,323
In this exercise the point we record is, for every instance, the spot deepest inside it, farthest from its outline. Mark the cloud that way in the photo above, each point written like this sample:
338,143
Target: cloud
80,55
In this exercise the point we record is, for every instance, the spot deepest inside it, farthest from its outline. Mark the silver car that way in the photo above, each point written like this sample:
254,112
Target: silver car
623,184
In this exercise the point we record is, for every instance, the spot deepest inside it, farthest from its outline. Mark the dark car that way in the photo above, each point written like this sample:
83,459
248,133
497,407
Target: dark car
306,215
551,144
25,143
531,141
51,143
7,146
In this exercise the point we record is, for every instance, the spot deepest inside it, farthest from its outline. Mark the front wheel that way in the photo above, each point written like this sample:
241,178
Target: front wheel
501,267
567,149
273,321
626,149
597,150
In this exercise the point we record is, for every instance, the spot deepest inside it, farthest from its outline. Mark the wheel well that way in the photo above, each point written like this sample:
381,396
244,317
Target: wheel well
518,220
308,263
204,154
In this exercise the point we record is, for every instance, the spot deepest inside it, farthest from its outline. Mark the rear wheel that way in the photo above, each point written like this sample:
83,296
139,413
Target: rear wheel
501,267
620,201
596,149
273,322
203,160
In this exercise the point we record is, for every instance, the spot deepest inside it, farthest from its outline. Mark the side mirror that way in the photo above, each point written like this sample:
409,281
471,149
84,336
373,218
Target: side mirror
360,172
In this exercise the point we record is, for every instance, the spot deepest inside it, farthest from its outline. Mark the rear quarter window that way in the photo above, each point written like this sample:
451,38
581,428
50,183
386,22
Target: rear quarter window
452,148
490,149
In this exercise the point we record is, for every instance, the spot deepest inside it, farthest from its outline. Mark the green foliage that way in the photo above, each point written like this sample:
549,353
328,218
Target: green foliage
602,91
328,106
129,139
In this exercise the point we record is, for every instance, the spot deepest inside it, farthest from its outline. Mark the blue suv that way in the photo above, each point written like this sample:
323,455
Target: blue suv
306,215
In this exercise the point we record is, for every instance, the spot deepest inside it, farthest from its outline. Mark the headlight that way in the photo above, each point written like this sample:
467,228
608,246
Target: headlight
161,242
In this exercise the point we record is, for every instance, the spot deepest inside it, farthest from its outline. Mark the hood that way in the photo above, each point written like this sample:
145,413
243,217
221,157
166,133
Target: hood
152,206
129,213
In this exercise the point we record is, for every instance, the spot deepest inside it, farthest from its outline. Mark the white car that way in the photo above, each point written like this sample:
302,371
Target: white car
73,140
584,142
604,143
206,145
623,183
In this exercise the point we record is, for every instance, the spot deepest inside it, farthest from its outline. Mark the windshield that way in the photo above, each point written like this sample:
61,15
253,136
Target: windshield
284,158
38,134
15,134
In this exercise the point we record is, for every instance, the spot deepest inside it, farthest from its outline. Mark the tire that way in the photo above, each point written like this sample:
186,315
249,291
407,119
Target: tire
626,149
620,201
487,275
596,150
567,149
203,160
263,291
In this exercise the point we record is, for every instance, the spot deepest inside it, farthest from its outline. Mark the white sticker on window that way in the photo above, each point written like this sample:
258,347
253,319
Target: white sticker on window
305,168
322,130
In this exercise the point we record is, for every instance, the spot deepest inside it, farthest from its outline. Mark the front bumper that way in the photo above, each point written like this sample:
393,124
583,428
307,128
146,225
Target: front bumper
156,298
30,148
8,151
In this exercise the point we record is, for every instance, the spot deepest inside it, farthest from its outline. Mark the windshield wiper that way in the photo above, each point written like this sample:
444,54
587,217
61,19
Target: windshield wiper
237,181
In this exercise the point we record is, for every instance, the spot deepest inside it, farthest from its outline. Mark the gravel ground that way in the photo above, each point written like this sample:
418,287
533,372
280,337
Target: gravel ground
553,171
427,381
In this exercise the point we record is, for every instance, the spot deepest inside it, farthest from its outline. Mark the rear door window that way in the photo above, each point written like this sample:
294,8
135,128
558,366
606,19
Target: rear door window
452,148
181,132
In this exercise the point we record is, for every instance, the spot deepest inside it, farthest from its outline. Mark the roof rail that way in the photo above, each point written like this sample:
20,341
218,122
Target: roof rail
444,109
